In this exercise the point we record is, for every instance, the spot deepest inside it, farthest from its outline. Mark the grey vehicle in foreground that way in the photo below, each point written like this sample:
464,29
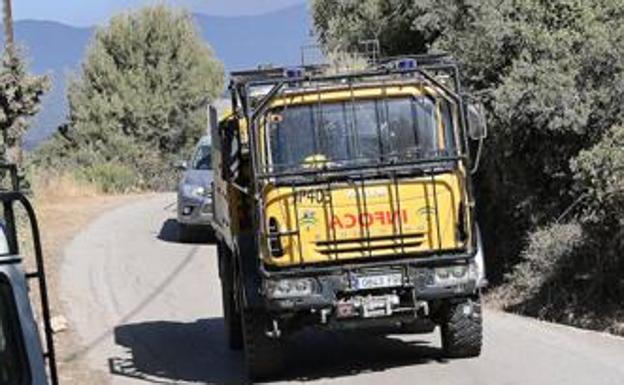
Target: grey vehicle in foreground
23,360
195,192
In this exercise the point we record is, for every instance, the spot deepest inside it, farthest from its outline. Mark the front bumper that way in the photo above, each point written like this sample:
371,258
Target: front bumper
194,211
418,284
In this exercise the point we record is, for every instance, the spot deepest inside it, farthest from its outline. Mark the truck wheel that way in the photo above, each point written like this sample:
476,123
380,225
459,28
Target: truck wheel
264,356
462,329
231,314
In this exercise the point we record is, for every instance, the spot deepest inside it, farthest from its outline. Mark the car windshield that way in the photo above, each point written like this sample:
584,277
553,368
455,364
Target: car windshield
356,132
202,159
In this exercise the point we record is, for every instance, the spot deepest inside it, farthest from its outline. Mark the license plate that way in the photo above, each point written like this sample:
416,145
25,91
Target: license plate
378,281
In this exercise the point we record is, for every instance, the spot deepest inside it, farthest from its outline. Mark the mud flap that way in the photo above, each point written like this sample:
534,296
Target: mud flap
247,249
480,262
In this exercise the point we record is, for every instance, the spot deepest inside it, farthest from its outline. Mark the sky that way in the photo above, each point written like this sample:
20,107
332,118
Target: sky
90,12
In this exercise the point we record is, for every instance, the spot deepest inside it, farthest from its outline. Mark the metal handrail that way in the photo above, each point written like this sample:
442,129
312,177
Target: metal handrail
8,199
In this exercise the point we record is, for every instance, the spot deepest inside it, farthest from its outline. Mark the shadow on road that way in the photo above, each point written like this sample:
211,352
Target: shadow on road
169,232
171,351
165,352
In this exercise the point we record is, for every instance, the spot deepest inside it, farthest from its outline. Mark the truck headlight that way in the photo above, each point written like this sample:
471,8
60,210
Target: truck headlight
289,288
454,275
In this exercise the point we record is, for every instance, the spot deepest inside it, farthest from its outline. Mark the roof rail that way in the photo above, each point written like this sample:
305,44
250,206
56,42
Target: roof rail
268,73
421,59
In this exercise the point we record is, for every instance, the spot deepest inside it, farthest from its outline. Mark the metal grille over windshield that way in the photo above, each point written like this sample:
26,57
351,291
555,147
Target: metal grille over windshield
355,132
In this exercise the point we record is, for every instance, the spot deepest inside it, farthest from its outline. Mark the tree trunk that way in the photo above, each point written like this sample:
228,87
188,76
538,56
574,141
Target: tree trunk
8,24
12,148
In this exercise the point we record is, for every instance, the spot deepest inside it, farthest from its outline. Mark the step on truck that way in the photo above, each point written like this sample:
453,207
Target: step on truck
23,360
344,201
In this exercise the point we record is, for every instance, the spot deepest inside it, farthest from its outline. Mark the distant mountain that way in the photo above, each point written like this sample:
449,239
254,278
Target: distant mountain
246,41
240,41
237,7
97,12
53,49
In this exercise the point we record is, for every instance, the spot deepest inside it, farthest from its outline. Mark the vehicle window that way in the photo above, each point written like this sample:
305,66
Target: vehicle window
357,132
13,363
203,158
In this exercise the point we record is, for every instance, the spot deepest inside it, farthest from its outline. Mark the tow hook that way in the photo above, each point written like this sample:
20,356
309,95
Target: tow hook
275,332
468,309
422,309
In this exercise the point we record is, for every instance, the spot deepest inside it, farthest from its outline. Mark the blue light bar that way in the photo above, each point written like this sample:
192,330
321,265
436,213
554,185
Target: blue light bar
294,73
406,64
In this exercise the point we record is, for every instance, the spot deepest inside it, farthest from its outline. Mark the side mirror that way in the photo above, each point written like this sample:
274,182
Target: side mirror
231,150
477,124
181,165
213,119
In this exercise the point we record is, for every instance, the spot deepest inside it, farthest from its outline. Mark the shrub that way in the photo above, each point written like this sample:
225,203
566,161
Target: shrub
550,250
109,177
139,101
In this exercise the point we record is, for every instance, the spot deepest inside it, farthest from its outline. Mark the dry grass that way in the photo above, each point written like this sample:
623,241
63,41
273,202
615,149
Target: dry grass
64,206
50,187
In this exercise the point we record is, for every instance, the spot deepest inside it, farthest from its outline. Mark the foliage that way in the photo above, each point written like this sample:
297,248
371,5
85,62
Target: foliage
601,170
109,177
546,256
140,99
20,98
551,74
340,61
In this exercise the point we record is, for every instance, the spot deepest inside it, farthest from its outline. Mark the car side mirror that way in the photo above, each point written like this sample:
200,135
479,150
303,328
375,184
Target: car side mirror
181,165
477,123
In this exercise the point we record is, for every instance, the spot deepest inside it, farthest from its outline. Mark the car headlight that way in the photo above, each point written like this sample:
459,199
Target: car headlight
289,288
196,191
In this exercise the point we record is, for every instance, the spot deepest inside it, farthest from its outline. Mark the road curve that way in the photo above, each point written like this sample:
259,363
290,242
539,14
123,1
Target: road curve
148,310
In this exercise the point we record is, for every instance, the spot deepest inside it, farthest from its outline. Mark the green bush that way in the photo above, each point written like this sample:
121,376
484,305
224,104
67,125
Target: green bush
109,177
550,250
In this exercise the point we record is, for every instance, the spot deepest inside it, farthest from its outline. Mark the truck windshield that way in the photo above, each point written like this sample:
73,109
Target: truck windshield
356,132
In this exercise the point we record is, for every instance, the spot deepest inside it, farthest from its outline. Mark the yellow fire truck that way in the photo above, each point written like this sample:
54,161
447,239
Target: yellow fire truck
345,202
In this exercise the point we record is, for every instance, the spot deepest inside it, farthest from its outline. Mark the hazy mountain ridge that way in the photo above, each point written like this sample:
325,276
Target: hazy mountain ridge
241,42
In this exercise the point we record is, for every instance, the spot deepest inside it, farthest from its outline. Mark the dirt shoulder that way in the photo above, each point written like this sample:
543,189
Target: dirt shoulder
60,220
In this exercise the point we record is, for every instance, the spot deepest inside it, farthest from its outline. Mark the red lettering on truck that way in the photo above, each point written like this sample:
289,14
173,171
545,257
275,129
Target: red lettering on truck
384,218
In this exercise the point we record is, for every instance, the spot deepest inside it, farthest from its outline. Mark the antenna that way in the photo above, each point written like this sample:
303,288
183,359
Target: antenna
312,54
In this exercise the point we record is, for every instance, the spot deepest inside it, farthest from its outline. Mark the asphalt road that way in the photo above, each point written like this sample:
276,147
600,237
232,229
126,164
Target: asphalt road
148,310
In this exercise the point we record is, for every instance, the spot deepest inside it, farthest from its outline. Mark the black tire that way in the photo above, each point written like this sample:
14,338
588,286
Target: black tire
231,314
264,356
462,329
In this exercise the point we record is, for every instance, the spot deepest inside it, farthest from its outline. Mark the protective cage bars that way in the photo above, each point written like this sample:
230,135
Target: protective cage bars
243,82
8,200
